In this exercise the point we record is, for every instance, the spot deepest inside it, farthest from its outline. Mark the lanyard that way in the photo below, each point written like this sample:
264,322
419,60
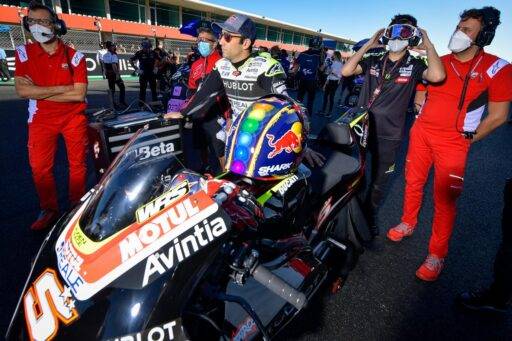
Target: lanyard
382,78
469,73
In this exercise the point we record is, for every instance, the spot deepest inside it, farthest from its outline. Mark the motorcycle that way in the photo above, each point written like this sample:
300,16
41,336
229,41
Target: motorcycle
149,255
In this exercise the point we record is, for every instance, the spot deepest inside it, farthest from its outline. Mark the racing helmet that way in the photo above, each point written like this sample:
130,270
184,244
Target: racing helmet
266,141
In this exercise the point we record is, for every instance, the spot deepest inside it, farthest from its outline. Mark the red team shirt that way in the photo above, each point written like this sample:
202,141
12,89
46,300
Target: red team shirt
202,67
491,81
51,70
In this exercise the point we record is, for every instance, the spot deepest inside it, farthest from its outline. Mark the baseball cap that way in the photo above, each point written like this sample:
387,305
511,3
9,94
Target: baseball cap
239,23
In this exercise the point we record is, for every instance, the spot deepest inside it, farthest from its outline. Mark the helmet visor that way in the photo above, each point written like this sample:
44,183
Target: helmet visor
400,31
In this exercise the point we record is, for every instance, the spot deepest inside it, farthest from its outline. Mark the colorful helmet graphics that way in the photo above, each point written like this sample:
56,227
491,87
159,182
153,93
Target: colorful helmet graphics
267,140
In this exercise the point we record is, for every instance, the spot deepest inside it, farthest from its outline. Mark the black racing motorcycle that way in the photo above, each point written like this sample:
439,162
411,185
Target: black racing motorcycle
149,255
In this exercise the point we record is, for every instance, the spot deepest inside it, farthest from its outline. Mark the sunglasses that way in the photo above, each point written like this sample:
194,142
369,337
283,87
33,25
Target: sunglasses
228,36
401,31
44,22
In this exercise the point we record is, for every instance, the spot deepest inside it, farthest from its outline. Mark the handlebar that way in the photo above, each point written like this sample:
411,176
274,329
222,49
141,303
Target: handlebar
279,287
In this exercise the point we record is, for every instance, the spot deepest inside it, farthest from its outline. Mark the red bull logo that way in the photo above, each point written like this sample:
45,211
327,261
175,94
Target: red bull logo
289,142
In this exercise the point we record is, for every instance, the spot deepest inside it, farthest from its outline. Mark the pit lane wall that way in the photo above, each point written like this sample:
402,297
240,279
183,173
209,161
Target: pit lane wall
93,67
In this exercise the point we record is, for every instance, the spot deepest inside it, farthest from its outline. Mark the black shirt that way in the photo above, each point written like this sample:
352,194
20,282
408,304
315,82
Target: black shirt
399,84
146,60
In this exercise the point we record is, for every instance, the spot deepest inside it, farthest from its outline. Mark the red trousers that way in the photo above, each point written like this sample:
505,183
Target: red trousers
43,133
447,151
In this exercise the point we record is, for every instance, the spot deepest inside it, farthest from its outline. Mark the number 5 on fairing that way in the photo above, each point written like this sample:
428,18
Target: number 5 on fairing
45,303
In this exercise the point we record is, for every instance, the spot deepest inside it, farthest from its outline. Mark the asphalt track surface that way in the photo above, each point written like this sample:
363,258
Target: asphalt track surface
381,300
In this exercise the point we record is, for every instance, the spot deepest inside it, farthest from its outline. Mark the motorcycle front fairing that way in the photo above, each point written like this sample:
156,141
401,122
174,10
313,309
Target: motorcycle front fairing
125,262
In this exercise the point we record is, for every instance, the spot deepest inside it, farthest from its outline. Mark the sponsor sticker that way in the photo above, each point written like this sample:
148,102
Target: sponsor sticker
285,185
496,67
245,330
289,142
146,152
402,80
266,170
22,53
238,85
69,263
151,209
172,330
184,246
77,58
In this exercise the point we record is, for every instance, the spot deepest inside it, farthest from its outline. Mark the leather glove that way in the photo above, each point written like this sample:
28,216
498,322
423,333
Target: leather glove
242,207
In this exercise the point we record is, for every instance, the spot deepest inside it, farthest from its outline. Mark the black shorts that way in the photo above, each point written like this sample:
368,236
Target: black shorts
209,133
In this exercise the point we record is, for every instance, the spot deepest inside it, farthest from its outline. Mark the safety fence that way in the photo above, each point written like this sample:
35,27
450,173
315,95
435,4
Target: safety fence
87,41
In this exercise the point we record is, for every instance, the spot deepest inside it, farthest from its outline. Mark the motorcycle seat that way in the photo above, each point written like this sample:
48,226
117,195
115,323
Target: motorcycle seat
336,144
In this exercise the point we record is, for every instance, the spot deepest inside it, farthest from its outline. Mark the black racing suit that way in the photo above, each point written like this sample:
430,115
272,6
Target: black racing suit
243,83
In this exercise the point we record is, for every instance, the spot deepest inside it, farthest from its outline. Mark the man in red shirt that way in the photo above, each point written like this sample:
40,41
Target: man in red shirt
53,77
208,132
449,121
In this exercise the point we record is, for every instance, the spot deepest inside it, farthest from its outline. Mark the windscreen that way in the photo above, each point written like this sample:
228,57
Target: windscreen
144,171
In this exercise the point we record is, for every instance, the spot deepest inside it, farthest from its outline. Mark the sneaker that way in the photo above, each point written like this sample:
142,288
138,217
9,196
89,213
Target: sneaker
430,269
45,220
482,300
400,231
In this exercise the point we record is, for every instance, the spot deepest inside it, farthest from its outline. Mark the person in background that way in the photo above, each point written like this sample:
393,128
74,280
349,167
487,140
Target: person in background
307,67
168,70
498,296
99,58
53,77
161,63
332,82
285,62
325,67
449,122
4,69
113,74
146,71
208,132
274,52
390,79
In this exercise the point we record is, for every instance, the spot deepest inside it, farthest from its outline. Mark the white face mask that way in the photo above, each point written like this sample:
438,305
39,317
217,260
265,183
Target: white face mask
459,42
41,34
397,45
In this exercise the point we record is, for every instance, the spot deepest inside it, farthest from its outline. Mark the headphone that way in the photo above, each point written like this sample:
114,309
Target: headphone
490,21
59,26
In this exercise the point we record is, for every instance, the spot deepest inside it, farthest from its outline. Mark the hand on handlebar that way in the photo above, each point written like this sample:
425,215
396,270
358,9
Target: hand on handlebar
241,206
